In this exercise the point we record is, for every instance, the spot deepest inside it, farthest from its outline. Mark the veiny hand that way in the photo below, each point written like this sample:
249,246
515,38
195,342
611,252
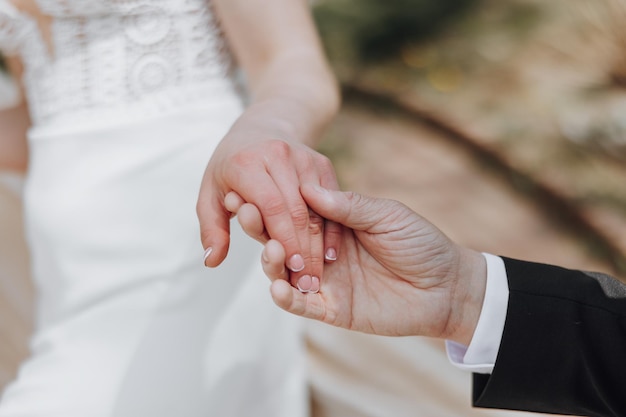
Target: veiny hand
397,274
268,173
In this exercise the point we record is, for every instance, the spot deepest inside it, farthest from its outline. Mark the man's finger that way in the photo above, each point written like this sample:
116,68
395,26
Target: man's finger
289,299
350,209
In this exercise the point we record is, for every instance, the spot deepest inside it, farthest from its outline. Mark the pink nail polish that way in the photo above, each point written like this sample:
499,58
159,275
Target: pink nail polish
304,284
315,285
296,263
331,254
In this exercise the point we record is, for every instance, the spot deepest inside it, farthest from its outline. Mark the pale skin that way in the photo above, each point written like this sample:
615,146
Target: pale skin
14,123
267,154
397,275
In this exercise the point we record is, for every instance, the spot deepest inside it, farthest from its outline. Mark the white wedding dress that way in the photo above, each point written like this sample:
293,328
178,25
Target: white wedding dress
128,101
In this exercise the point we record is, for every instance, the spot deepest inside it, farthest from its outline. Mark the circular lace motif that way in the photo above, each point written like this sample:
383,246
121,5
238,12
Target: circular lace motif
14,28
151,73
147,25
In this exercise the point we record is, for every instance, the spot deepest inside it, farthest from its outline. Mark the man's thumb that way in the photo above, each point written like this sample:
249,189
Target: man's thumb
350,209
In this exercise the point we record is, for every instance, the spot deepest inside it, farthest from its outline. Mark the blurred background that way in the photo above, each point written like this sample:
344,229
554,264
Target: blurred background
532,92
501,121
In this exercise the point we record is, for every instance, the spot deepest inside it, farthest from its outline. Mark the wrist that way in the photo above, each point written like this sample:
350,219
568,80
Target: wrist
468,296
297,115
267,120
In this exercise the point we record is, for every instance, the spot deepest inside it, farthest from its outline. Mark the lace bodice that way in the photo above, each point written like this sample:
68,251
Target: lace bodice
114,54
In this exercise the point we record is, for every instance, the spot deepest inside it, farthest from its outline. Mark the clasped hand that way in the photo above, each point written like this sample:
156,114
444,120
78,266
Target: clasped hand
267,173
396,274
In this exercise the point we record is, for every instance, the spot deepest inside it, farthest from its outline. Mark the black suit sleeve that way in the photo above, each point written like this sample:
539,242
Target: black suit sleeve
563,348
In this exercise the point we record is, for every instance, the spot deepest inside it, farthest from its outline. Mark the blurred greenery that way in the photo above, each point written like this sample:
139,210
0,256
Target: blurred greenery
370,30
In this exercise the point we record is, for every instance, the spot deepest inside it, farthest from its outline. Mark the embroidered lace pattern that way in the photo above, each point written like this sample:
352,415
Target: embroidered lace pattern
114,53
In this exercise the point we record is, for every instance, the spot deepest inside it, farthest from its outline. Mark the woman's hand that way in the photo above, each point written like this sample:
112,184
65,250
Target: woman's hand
397,274
267,154
266,170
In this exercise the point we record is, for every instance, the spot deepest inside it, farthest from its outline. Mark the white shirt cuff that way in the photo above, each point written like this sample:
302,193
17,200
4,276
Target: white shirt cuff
480,355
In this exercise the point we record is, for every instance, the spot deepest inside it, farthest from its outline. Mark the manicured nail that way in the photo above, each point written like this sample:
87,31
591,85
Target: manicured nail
296,263
304,283
331,254
315,285
207,253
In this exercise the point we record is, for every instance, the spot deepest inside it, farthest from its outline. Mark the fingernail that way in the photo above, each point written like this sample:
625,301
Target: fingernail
331,254
207,253
304,283
296,263
315,285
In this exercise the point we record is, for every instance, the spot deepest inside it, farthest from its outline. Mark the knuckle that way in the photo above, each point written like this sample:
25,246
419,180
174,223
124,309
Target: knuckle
298,308
355,200
205,239
300,217
203,203
333,230
243,159
306,161
316,225
271,206
325,163
279,149
353,197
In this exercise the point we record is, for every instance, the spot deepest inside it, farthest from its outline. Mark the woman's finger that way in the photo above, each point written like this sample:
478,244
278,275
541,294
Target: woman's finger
214,225
273,261
259,189
289,167
251,222
302,304
233,202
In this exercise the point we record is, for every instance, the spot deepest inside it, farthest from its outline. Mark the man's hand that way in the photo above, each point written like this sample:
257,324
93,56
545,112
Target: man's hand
397,274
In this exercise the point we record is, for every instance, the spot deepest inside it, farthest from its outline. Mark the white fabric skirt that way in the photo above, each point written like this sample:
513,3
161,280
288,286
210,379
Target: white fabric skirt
129,321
